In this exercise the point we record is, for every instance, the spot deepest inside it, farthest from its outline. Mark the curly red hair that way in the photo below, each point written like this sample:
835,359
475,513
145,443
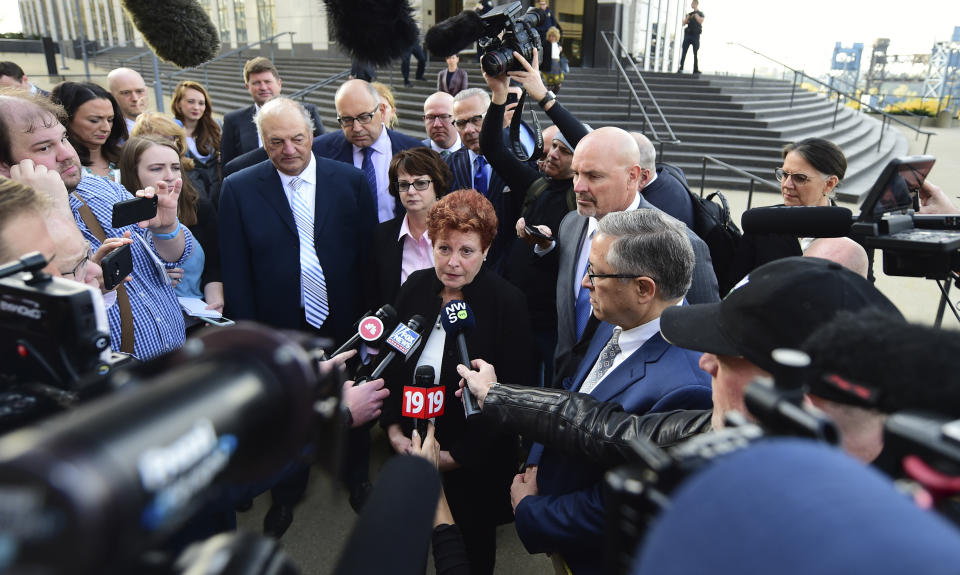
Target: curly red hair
463,211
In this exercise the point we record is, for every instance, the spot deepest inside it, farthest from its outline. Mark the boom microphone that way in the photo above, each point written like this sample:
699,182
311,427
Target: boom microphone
454,34
371,328
86,491
375,31
178,31
457,318
800,221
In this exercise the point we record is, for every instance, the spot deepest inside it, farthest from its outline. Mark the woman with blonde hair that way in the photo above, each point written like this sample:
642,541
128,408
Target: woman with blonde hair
390,119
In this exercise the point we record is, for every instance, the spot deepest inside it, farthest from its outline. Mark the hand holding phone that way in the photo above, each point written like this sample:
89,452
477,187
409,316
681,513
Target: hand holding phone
116,265
134,210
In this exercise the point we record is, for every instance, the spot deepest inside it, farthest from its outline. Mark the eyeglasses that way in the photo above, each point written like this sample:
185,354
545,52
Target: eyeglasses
364,119
416,184
444,118
592,276
476,121
78,270
798,179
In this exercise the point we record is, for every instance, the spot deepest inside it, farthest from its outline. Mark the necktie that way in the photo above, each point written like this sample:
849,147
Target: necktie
444,153
480,178
583,309
314,285
370,173
604,362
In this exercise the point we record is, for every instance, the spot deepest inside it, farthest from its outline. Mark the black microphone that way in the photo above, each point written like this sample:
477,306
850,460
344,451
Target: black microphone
800,221
454,34
457,318
424,376
88,490
371,328
405,340
179,31
397,521
375,31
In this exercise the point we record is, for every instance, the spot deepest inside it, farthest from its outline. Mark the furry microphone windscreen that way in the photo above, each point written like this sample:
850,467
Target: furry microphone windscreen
178,31
374,31
454,34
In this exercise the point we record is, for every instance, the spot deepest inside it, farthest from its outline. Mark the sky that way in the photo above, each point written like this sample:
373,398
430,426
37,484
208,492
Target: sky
800,34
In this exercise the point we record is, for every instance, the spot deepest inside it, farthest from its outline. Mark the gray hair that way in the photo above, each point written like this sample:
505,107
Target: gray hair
471,93
648,154
650,243
279,105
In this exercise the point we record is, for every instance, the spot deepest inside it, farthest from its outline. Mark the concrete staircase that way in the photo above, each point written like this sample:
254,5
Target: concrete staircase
741,121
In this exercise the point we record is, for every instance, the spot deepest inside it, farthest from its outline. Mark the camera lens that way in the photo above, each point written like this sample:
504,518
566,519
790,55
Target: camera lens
496,62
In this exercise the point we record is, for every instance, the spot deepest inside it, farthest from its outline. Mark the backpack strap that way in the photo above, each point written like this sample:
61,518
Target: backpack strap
123,300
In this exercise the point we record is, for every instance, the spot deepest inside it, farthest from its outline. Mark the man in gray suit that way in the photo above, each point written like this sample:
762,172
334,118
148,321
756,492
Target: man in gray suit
606,178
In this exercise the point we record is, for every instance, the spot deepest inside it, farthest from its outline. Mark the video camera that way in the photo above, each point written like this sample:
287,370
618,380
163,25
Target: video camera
506,32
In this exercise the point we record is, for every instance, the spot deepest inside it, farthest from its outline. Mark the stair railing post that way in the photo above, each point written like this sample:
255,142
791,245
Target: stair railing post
750,194
836,110
883,125
793,89
703,176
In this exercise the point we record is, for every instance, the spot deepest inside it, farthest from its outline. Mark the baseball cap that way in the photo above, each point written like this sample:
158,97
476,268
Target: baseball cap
778,305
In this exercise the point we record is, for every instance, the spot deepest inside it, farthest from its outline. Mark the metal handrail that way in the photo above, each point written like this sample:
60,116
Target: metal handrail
303,92
738,171
636,97
830,89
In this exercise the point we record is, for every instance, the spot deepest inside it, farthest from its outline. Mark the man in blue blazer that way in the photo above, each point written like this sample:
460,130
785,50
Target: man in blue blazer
640,264
659,187
360,115
262,80
260,244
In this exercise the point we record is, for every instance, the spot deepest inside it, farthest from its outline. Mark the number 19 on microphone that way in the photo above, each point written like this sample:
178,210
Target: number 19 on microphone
422,402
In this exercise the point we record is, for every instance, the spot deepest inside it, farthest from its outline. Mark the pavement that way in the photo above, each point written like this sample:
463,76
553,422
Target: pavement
324,519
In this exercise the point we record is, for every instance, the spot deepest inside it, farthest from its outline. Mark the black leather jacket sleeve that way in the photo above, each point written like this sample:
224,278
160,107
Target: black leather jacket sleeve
579,425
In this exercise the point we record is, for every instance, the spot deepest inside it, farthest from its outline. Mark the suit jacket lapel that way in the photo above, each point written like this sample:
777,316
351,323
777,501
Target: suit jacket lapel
631,371
272,192
322,205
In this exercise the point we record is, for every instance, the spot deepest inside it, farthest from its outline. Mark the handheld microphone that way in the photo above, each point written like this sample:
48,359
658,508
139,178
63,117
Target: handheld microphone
457,318
166,25
375,31
800,221
86,491
454,34
371,328
423,393
404,340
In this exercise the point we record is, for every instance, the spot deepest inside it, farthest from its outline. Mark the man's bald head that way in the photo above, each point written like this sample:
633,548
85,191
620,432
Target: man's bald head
844,251
606,173
438,119
648,153
128,88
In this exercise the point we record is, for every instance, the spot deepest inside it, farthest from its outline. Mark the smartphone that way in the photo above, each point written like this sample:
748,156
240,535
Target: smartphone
116,265
218,321
535,232
512,98
132,211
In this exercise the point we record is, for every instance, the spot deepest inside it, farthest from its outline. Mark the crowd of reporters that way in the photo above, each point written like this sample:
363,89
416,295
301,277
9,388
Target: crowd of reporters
600,322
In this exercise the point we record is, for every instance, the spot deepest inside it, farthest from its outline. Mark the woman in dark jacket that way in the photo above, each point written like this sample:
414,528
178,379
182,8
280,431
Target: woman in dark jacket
478,460
418,179
812,169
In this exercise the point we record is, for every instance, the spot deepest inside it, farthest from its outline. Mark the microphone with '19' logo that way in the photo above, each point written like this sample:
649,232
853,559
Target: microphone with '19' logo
457,318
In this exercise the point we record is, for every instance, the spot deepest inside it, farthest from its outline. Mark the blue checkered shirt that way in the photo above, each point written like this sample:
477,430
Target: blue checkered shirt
157,319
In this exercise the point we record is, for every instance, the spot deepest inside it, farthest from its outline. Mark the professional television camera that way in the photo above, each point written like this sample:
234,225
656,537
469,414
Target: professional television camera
506,32
54,342
639,491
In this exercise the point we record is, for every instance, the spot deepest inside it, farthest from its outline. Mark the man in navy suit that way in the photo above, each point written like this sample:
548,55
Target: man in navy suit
471,170
659,187
364,142
240,136
640,264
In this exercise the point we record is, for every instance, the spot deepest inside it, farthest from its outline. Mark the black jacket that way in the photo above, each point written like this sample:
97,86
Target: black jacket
576,424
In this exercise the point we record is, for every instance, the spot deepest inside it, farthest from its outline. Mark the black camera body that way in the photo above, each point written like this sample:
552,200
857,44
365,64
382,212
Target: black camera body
506,32
49,332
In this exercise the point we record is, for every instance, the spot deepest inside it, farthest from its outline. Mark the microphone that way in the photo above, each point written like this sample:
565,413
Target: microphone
87,490
456,319
371,328
404,340
178,31
424,400
397,519
375,31
800,221
454,34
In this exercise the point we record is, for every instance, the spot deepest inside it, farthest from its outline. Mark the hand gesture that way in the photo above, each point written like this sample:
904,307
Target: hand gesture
167,202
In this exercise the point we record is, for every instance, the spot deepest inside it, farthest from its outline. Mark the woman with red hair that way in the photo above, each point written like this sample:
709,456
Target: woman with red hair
477,460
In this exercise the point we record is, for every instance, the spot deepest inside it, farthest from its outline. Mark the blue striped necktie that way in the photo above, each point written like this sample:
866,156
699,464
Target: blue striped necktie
370,173
480,178
312,281
582,309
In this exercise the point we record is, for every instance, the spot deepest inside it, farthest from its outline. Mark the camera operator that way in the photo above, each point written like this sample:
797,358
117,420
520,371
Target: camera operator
778,306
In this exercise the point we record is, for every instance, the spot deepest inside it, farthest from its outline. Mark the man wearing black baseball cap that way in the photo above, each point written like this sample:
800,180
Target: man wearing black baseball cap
778,305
